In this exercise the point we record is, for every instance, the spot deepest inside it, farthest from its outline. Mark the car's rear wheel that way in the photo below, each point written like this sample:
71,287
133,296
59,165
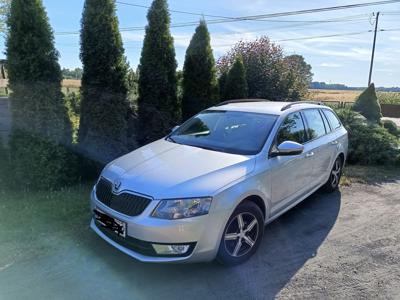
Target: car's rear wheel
242,234
334,177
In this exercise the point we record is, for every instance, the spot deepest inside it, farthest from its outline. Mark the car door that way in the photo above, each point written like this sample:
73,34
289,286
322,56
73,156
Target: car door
290,175
319,139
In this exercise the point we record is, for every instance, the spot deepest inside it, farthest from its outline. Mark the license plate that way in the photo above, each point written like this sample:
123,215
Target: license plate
115,225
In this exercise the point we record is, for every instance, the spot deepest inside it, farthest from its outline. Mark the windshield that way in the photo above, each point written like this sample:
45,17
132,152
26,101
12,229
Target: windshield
226,131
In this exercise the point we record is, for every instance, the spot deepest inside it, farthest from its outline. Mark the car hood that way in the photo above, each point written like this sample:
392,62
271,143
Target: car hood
164,169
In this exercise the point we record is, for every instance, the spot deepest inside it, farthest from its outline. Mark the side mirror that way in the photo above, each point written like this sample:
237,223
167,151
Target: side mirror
174,128
288,148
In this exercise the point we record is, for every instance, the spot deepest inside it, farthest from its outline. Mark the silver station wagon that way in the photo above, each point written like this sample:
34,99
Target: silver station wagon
207,190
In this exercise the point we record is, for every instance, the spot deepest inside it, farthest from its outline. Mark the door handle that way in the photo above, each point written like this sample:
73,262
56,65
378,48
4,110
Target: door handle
334,143
310,154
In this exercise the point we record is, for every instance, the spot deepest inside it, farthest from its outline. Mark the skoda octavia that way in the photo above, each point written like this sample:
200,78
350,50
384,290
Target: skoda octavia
207,190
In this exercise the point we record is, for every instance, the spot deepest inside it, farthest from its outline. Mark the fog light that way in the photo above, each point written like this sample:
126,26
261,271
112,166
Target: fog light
170,249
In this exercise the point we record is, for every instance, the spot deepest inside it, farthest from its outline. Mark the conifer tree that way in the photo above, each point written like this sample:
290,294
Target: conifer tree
368,105
200,85
236,84
41,128
104,105
159,108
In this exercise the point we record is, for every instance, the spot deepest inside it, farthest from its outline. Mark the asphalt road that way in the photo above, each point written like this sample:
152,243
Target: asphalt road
344,245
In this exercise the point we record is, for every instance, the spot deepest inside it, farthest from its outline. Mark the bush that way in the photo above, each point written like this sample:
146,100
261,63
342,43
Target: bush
269,74
368,143
388,97
367,104
50,165
391,127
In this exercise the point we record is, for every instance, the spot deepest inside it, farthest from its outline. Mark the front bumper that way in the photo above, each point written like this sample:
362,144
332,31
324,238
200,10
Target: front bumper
202,233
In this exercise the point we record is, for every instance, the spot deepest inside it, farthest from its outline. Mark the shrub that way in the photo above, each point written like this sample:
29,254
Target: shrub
41,130
368,143
269,74
388,97
200,85
51,165
367,104
391,127
236,83
159,108
104,106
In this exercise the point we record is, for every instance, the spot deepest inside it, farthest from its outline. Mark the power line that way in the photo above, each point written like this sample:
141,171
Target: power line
346,19
274,15
224,19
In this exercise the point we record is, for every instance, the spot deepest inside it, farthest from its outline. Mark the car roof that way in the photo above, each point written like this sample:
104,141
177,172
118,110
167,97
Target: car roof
265,106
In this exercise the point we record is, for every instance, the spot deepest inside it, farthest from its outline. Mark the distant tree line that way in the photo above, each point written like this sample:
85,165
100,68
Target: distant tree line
72,73
121,109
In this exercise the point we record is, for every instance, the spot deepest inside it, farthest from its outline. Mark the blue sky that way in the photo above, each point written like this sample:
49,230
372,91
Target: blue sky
342,59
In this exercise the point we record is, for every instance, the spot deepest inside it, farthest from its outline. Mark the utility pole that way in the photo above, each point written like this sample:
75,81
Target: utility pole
373,49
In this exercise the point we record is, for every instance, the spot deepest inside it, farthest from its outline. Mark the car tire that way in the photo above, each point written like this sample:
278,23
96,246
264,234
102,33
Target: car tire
242,234
334,176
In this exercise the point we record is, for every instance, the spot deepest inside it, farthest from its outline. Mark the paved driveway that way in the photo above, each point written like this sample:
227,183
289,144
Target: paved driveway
343,245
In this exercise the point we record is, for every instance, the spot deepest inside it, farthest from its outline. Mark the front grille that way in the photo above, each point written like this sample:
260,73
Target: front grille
125,203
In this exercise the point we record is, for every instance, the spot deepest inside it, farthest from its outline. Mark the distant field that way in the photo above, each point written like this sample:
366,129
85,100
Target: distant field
71,83
350,96
333,95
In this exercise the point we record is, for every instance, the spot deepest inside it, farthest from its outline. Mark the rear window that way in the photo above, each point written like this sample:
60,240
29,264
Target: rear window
333,120
316,126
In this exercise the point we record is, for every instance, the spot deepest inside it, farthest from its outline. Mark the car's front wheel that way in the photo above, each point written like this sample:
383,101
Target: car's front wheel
242,234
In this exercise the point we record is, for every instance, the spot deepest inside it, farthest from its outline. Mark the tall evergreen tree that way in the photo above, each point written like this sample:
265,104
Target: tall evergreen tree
159,108
221,83
40,127
368,105
236,83
200,85
104,107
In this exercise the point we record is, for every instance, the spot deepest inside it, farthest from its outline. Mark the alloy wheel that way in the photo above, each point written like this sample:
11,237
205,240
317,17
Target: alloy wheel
335,174
241,234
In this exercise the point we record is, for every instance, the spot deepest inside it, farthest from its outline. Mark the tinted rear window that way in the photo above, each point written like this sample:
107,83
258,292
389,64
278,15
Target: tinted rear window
333,120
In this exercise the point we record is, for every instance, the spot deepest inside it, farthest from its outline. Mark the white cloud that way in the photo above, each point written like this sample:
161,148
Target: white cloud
330,65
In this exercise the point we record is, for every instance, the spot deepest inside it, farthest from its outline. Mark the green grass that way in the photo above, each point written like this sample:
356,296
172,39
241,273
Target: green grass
36,223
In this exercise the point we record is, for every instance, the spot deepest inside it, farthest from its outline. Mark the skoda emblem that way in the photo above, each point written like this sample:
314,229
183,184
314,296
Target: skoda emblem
117,184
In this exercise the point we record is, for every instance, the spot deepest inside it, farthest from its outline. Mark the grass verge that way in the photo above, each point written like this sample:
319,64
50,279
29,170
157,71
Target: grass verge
369,174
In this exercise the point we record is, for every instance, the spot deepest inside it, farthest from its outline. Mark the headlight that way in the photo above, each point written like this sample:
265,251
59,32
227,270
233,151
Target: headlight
182,208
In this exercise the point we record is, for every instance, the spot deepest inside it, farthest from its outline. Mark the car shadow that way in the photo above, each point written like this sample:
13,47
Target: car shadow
288,243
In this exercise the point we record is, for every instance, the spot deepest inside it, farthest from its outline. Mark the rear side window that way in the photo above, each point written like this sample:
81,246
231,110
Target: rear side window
316,126
292,129
333,120
327,126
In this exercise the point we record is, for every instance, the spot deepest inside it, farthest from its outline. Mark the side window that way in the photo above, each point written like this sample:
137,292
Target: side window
292,129
333,120
327,125
316,127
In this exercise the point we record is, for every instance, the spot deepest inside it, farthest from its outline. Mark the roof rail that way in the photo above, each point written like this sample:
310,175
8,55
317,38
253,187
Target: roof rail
287,106
241,101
